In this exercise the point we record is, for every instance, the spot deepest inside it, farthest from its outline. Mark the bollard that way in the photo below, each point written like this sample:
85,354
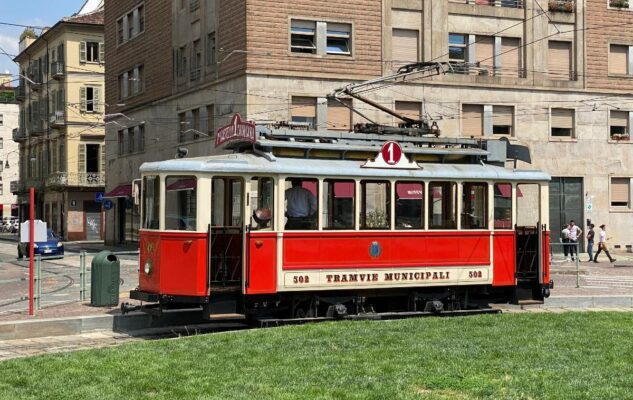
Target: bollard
577,267
38,282
82,275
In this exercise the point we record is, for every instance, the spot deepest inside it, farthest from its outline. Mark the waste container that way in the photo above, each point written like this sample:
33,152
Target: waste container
104,280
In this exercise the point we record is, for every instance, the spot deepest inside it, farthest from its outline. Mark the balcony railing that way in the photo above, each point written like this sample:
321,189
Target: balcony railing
20,93
22,186
19,135
84,179
494,3
37,127
58,118
194,5
195,74
566,6
57,69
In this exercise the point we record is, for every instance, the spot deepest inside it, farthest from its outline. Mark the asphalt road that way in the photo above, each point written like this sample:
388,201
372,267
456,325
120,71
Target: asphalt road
61,282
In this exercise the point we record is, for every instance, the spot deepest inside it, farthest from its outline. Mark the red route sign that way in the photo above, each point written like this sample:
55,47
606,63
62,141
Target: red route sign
236,131
391,153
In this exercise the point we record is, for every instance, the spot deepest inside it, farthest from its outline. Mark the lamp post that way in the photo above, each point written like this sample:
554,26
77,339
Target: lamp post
6,160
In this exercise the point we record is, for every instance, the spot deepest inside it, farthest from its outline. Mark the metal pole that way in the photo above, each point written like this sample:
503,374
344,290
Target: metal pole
82,275
31,247
38,282
577,267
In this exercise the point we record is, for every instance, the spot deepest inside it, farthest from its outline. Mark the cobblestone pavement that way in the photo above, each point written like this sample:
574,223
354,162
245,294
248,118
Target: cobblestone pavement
10,349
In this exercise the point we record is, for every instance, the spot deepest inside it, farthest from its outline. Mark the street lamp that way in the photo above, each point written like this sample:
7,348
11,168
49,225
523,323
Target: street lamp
6,163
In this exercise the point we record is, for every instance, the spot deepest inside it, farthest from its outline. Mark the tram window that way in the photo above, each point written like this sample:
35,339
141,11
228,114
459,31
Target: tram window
338,201
409,205
443,205
376,199
528,204
261,202
217,202
226,202
180,203
475,206
151,202
503,206
301,203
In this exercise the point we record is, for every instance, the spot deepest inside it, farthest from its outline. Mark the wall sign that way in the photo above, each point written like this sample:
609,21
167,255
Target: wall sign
236,131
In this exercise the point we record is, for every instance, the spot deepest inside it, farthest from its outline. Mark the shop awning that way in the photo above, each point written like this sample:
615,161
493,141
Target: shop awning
344,190
182,184
505,190
120,191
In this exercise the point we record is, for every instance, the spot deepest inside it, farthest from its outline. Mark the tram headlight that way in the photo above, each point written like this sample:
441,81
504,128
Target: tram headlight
147,268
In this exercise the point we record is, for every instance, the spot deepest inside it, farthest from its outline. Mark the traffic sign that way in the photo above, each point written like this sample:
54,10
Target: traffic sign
107,204
99,197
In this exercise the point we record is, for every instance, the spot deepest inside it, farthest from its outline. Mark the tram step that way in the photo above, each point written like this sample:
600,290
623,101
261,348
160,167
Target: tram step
223,304
530,302
232,317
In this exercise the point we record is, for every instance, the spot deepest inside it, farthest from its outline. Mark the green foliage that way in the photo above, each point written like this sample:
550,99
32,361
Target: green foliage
511,356
28,33
567,6
619,3
376,219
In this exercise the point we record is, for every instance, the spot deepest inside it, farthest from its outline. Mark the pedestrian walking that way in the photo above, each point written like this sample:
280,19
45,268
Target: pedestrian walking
602,245
565,237
574,233
590,235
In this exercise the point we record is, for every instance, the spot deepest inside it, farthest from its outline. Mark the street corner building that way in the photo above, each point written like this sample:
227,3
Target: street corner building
61,134
552,75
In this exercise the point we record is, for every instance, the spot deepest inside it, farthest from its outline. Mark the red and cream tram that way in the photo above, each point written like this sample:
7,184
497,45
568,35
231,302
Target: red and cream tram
394,224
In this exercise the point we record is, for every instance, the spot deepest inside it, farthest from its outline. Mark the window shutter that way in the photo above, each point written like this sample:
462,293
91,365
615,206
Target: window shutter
511,56
618,59
135,22
82,99
339,117
82,51
485,51
562,118
96,99
102,53
472,120
404,47
125,84
102,154
54,102
136,81
559,60
204,120
502,115
125,28
60,52
82,158
60,100
304,107
619,118
620,190
409,109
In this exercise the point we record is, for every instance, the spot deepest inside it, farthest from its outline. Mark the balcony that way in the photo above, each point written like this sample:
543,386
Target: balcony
619,3
20,93
19,135
57,70
37,128
58,118
566,6
195,74
81,179
494,3
15,187
23,186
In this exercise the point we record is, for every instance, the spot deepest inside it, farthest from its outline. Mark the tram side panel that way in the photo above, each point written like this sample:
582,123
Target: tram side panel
504,266
546,258
261,273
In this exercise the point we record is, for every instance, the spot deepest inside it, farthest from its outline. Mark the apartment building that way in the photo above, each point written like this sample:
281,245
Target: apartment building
9,155
61,133
538,82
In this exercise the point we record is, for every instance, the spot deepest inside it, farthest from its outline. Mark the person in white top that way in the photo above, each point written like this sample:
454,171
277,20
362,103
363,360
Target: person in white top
574,233
602,245
565,237
301,206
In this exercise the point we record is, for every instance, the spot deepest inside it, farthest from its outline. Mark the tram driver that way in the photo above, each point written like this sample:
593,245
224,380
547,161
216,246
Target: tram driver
301,206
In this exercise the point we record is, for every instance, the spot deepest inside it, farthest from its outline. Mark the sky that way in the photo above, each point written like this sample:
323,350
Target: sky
29,12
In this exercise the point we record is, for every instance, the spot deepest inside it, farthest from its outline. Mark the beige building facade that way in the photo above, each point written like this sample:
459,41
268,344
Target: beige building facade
9,154
61,132
277,61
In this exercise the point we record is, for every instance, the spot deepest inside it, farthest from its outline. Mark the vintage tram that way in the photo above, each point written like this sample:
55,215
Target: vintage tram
394,224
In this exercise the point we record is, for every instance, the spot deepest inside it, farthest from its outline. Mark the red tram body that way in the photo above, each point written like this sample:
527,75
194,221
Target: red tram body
384,237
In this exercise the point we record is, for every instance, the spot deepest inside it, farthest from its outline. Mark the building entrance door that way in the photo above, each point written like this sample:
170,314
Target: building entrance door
92,211
565,204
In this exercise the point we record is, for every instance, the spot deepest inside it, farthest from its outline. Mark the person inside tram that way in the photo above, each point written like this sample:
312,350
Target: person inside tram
301,206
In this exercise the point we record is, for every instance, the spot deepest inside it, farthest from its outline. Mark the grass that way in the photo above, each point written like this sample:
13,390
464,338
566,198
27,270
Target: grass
513,356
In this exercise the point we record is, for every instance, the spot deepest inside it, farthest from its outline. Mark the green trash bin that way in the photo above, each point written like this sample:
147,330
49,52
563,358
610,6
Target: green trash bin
104,280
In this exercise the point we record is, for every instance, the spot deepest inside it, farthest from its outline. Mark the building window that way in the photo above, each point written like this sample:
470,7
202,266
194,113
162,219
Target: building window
194,5
619,125
409,109
303,37
472,120
182,119
562,123
1,145
457,47
211,120
131,140
339,117
621,192
502,120
304,110
511,63
141,138
559,60
196,61
1,119
90,99
211,49
131,24
181,61
131,82
619,60
90,52
339,39
121,142
405,47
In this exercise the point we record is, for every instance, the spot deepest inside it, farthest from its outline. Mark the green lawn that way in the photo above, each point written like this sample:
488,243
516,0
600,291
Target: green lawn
513,356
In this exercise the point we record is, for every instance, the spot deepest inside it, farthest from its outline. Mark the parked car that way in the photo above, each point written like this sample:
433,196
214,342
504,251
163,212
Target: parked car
52,247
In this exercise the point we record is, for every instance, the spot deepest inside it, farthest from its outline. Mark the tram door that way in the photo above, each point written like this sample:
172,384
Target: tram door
528,242
227,222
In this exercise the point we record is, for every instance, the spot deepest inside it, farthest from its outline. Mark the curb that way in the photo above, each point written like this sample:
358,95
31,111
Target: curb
589,301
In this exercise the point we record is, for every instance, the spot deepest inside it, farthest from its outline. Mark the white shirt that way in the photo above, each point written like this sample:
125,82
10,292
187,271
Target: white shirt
300,202
573,233
565,233
603,236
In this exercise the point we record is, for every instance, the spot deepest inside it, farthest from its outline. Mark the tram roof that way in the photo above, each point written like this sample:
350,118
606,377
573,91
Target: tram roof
247,163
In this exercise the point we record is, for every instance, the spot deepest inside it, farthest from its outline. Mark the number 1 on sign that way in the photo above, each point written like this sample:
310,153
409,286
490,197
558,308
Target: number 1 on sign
390,151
